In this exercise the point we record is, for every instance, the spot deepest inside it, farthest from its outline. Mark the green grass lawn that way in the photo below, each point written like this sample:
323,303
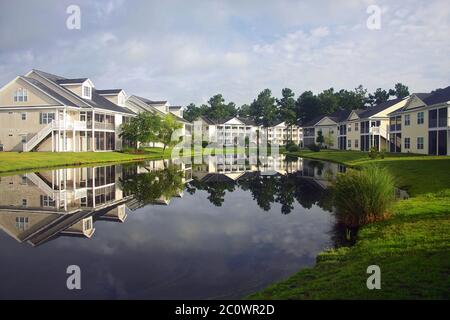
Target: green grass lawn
412,248
14,161
417,174
22,161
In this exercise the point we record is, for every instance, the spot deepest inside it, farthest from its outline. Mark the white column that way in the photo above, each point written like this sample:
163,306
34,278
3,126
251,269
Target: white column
64,132
93,129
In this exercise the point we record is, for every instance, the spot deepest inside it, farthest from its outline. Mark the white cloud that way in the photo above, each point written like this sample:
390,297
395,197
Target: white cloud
182,52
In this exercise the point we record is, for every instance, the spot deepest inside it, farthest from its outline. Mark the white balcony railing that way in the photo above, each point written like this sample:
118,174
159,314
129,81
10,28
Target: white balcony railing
378,130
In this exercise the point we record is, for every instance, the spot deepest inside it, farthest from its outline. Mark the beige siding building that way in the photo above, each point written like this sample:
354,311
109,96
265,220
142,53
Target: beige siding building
46,112
422,124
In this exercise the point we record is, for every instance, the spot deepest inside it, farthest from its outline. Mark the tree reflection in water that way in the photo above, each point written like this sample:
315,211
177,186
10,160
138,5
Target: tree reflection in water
152,186
267,190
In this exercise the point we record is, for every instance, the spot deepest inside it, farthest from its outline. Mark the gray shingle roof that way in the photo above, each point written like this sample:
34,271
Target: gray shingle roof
437,96
246,121
150,102
379,107
109,91
71,81
103,103
97,100
48,90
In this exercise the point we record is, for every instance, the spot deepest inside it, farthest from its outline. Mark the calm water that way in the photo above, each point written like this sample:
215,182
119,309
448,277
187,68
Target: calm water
159,230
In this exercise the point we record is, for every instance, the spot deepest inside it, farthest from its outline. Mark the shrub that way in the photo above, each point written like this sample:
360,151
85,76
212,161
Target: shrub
314,147
363,196
293,148
373,153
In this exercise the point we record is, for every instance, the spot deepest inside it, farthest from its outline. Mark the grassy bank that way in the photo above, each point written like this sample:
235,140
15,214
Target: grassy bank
14,161
415,173
23,161
412,248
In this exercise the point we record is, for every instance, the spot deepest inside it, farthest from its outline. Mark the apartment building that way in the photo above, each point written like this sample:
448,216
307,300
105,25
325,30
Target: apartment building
422,125
45,112
354,129
227,131
328,126
364,129
280,133
37,207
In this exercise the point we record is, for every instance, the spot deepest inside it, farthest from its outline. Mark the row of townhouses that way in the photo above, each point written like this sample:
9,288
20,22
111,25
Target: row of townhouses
418,123
45,112
229,131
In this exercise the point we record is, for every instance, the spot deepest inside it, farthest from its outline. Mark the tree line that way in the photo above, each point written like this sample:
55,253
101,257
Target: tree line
267,109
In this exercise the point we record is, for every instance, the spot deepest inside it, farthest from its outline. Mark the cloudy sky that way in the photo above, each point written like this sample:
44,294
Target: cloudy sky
186,51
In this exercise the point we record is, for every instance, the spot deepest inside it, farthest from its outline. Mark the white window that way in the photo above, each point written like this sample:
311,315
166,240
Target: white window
349,128
88,224
46,117
24,202
87,92
21,95
420,143
23,116
22,223
407,143
83,116
47,201
24,138
407,119
356,143
349,143
356,126
420,118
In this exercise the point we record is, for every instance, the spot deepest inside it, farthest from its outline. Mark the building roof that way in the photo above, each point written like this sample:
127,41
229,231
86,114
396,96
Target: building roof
313,121
102,103
109,91
71,81
379,107
208,120
246,121
438,96
150,102
340,115
179,118
47,90
97,101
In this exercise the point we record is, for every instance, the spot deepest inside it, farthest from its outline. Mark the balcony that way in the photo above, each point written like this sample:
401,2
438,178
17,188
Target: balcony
104,126
394,127
69,125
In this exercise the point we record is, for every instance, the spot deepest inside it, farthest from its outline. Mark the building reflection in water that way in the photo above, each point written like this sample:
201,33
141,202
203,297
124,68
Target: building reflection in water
38,207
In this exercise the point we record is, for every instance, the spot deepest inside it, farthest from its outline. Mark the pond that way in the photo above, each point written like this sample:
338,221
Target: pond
163,229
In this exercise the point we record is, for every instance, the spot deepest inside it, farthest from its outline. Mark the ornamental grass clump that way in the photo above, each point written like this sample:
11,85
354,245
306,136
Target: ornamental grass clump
363,196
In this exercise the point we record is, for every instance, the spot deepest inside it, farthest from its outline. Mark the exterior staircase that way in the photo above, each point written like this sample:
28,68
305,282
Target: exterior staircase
38,138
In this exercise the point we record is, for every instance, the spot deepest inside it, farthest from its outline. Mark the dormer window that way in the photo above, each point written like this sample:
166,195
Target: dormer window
21,95
87,92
